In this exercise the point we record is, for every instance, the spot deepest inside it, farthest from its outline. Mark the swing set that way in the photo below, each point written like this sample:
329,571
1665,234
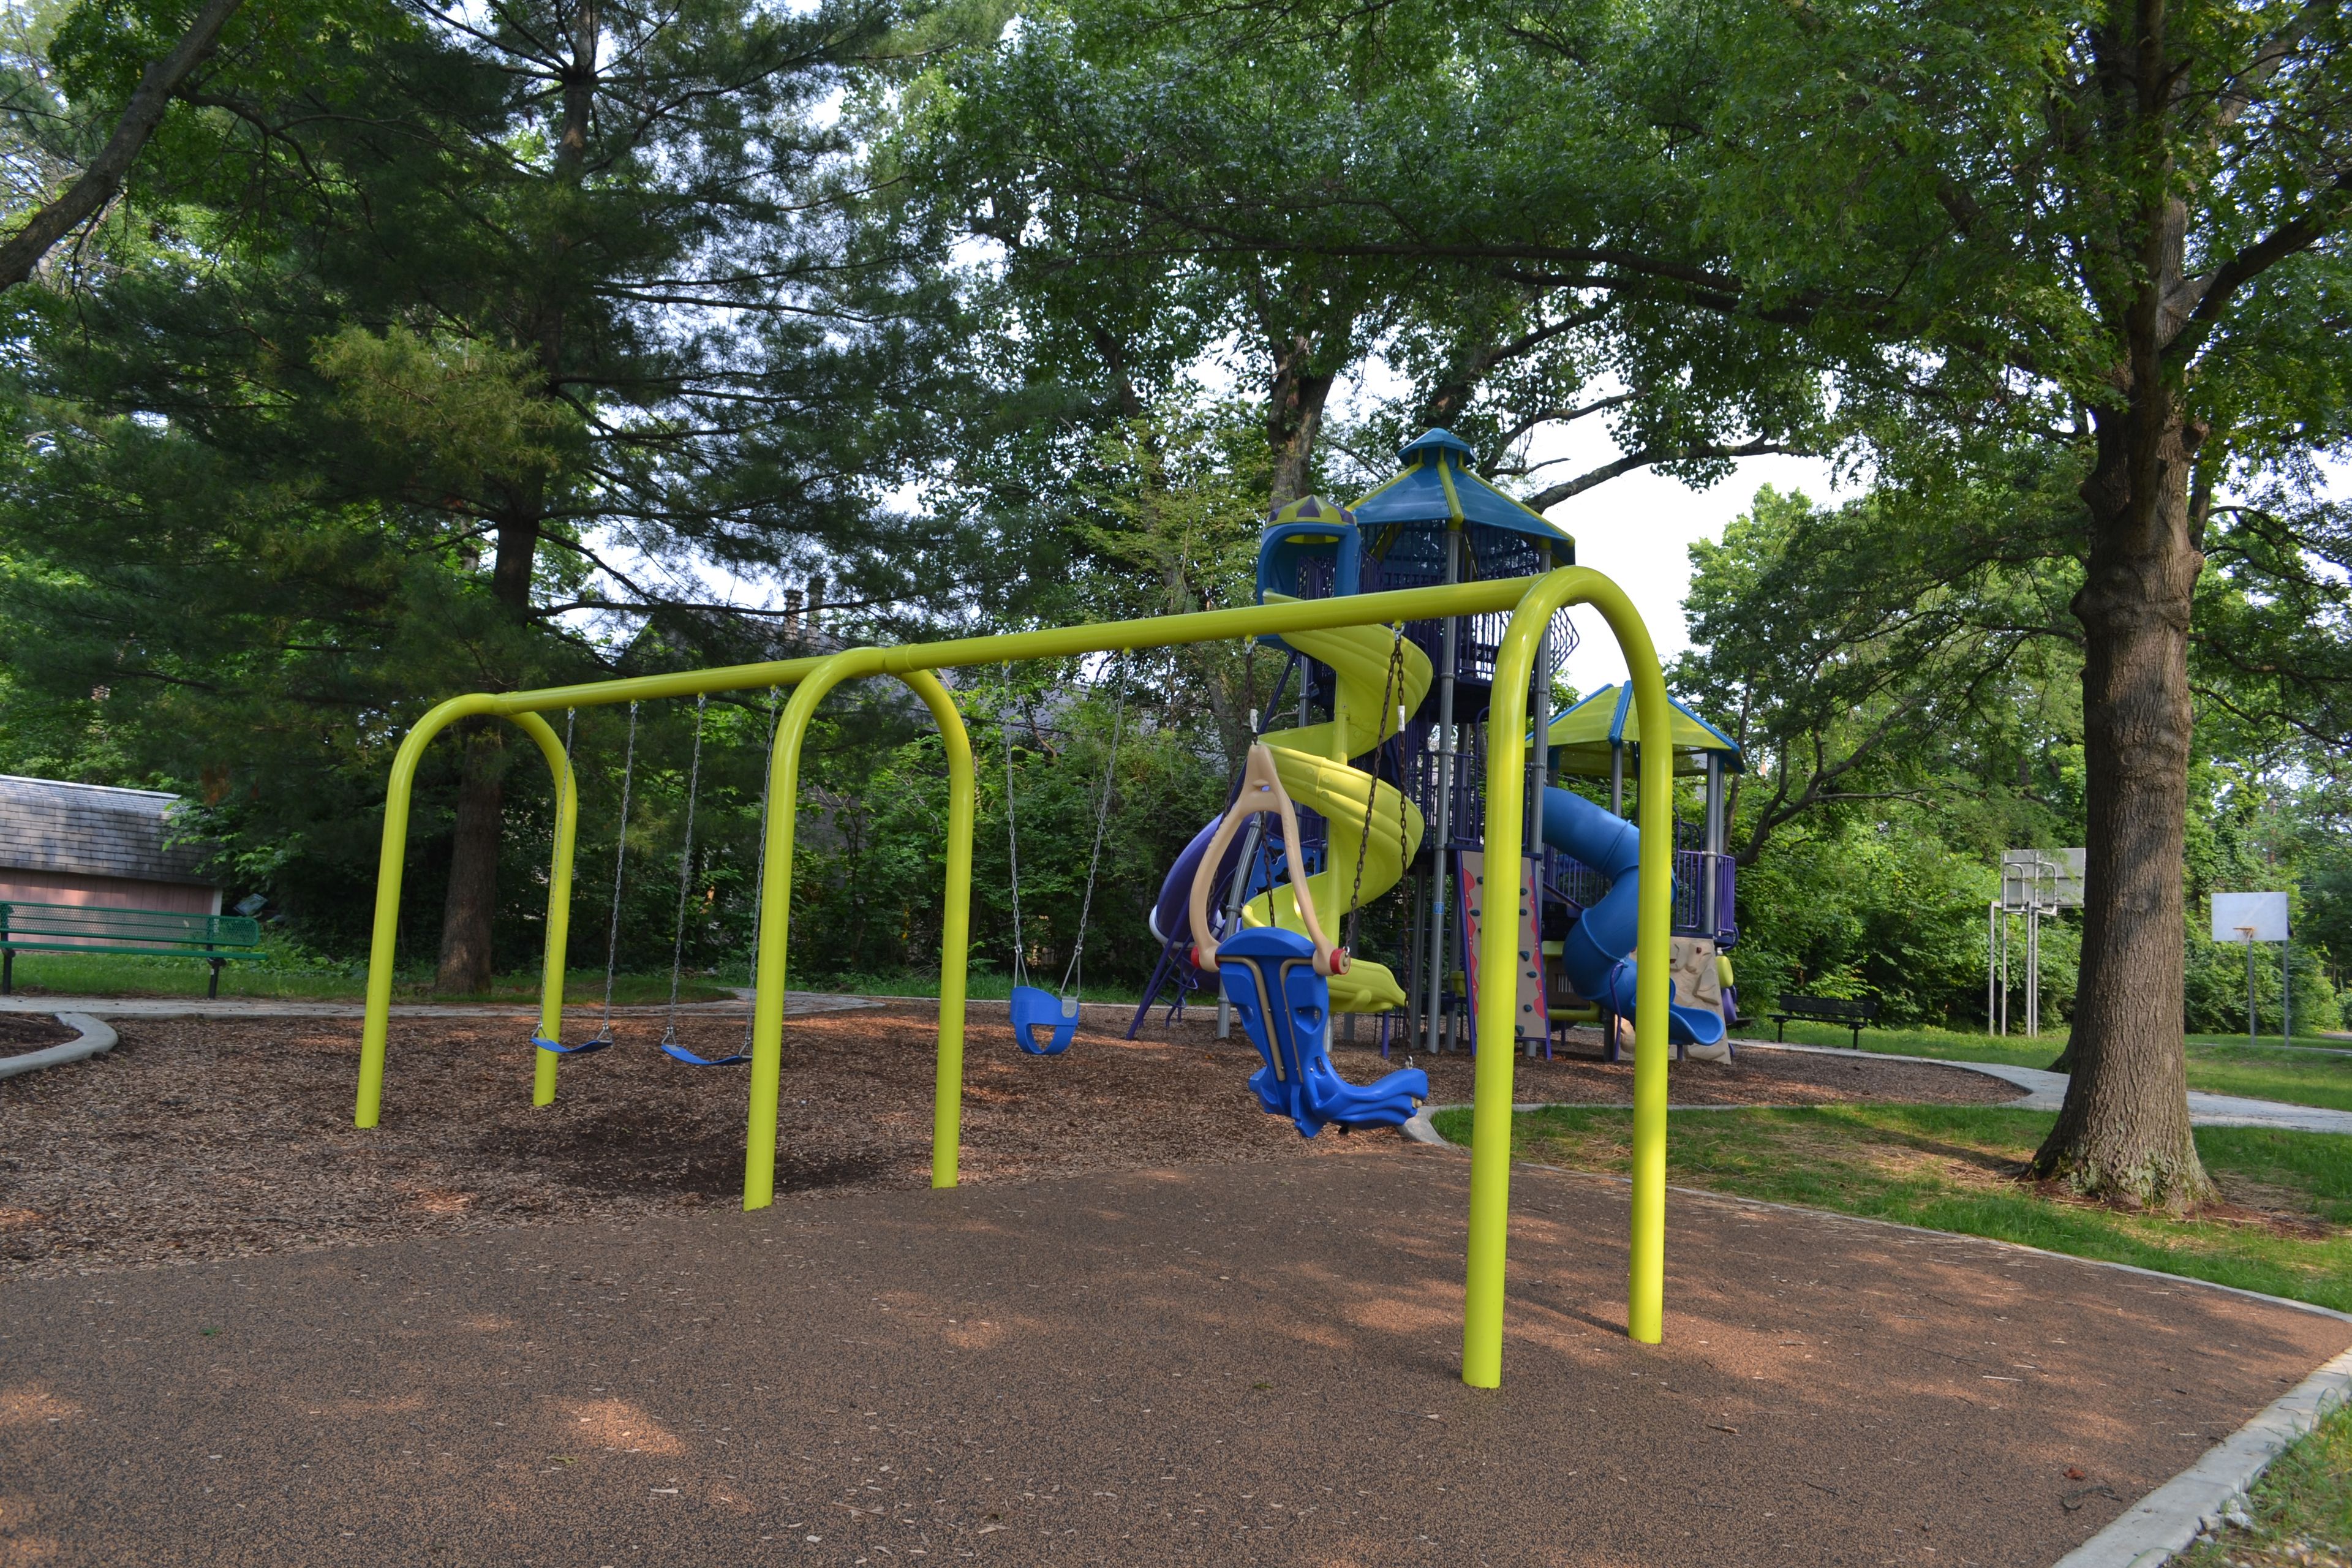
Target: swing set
545,1039
1035,1008
1528,602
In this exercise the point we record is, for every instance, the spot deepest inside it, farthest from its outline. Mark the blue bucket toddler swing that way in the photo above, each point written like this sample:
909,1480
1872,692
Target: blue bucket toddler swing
1043,1023
1278,982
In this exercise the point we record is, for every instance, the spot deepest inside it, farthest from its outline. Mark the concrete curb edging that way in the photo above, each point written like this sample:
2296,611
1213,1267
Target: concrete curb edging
95,1037
1425,1133
2168,1519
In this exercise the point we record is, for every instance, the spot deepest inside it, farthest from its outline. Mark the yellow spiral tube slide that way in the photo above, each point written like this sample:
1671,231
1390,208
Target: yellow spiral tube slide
1313,762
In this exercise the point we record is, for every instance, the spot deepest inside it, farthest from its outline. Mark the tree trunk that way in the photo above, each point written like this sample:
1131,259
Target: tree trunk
2124,1132
466,914
1294,419
473,899
88,196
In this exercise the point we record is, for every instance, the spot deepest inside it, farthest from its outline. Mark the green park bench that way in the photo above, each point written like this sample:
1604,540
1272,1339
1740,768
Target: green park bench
1853,1014
148,933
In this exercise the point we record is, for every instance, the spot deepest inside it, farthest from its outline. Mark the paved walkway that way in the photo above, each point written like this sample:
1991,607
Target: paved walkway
2046,1091
802,1002
1215,1364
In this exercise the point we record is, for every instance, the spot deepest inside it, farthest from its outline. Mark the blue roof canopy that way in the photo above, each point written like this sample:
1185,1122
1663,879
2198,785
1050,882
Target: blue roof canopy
1583,736
1440,485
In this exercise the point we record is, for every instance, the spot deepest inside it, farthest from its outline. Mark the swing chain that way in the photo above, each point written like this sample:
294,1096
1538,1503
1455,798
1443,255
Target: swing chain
684,870
1389,687
1076,966
1013,835
620,858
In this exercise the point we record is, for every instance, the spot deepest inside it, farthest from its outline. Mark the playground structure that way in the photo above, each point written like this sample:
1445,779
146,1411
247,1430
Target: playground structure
1392,783
1592,740
1517,612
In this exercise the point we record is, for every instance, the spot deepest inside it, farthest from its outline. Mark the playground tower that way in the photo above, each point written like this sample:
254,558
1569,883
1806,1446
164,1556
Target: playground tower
1333,724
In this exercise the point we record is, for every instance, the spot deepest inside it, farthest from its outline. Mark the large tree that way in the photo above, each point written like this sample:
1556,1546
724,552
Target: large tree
2112,227
61,171
476,320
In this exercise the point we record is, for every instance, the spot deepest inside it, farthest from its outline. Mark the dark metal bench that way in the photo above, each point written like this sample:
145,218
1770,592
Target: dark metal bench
146,933
1853,1014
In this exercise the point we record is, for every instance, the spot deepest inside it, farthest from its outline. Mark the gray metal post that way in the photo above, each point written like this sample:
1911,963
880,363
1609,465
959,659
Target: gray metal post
1992,964
1538,748
2286,994
1233,896
1714,842
1539,753
2249,983
2032,970
2004,967
1443,832
1617,777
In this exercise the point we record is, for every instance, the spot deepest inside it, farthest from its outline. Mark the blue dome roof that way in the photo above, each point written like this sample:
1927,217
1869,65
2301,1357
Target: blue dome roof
1440,485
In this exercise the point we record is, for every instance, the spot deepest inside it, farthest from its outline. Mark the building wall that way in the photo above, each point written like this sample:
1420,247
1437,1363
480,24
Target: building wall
29,886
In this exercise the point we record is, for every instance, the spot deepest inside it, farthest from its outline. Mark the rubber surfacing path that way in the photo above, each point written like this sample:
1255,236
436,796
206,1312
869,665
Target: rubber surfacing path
1235,1364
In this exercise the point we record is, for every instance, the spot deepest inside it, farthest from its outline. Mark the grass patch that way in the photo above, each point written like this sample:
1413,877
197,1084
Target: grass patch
980,985
2301,1508
1944,1045
2281,1229
110,974
2300,1078
283,977
2218,1064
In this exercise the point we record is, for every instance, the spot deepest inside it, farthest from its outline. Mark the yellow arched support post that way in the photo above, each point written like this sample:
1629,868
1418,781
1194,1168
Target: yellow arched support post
775,920
1490,1138
523,707
390,861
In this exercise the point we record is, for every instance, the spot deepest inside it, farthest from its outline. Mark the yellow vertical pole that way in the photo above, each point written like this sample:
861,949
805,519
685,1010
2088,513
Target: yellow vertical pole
1645,1287
559,904
1490,1140
1341,829
391,856
775,920
955,930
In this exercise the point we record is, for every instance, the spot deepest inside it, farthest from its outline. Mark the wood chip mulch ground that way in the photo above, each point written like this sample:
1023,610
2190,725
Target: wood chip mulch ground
199,1139
21,1032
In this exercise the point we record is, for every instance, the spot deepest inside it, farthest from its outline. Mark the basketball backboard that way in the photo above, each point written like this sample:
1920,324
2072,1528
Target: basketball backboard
2236,915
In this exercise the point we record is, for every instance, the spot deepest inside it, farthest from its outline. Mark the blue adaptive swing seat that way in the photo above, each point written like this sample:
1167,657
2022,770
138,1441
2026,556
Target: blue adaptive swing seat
1269,974
1035,1008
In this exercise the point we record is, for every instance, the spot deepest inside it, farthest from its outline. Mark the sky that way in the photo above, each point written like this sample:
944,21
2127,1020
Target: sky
1638,530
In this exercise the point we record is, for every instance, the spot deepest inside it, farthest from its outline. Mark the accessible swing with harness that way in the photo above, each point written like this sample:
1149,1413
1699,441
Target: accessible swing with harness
1278,981
1034,1008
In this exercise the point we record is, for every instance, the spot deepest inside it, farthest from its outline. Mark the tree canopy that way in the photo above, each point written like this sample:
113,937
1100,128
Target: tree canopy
385,350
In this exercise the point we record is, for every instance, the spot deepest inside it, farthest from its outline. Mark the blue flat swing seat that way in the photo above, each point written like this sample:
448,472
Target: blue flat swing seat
1269,974
670,1048
558,1047
1035,1008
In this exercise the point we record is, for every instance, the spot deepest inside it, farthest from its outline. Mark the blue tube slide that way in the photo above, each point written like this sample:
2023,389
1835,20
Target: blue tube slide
1172,914
1594,953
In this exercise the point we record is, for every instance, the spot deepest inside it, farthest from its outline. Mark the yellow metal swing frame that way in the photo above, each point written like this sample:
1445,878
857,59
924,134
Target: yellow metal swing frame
1531,601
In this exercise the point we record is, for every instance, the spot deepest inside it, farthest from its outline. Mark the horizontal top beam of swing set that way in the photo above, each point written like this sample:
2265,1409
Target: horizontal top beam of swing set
1054,642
